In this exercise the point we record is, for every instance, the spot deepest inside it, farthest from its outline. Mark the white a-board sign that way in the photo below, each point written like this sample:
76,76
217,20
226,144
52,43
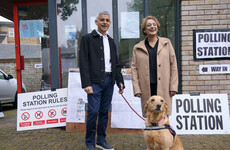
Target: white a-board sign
121,115
43,109
202,114
76,98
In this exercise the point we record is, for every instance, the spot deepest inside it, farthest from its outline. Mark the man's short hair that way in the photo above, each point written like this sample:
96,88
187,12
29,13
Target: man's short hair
102,13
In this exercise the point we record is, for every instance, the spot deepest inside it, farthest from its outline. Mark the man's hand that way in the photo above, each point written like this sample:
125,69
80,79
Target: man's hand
121,89
88,90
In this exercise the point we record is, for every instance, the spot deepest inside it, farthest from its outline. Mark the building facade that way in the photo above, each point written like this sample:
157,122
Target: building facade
178,21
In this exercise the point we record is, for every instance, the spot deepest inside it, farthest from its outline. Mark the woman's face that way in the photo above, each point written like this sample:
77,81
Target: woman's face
151,28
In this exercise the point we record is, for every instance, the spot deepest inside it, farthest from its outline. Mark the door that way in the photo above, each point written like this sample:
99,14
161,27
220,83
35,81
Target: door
32,44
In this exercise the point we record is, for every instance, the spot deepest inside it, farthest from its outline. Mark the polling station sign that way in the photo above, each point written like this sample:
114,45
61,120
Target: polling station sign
43,109
211,44
203,114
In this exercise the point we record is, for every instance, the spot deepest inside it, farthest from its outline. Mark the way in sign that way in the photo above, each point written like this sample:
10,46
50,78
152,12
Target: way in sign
218,69
215,69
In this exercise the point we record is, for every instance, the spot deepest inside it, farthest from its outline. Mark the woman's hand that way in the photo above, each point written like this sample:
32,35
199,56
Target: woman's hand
138,95
172,93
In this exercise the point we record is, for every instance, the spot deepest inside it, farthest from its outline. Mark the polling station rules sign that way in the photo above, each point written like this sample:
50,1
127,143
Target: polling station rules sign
203,114
43,109
211,44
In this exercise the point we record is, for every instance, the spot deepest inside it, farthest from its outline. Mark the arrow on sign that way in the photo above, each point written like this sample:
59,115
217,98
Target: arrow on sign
204,69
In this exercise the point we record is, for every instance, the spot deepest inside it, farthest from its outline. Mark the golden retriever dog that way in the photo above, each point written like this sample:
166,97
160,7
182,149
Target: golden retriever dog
156,136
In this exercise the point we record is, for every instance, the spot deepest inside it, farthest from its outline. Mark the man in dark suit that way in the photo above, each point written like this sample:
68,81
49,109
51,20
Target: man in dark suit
99,70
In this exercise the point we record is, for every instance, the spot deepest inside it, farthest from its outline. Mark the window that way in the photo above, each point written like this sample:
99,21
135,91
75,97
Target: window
93,8
2,76
11,32
164,11
130,15
69,21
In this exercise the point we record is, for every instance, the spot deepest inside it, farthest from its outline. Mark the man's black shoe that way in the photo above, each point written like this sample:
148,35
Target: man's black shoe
104,146
90,147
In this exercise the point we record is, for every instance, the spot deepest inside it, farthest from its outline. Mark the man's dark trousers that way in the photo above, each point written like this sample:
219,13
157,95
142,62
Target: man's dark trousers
98,105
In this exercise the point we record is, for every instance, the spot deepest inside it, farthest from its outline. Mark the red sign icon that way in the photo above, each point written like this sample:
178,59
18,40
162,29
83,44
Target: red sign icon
64,111
52,113
38,114
25,116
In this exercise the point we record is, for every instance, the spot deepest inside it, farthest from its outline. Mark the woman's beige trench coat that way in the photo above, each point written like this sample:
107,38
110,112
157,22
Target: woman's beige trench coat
167,73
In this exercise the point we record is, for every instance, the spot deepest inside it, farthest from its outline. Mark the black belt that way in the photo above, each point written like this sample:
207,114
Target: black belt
108,73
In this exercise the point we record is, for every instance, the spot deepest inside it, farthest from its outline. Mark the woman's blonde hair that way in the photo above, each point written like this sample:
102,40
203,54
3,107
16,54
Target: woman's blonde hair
143,24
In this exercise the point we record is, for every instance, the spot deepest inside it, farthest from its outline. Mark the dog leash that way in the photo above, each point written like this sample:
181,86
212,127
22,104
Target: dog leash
132,108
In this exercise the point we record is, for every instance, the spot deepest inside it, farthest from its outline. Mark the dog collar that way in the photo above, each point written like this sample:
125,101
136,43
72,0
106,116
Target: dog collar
155,124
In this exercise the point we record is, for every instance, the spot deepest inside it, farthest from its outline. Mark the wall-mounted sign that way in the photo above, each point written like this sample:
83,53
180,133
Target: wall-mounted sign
38,66
211,44
214,69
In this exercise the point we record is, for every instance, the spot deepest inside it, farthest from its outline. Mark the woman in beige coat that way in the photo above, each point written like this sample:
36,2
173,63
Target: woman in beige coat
154,66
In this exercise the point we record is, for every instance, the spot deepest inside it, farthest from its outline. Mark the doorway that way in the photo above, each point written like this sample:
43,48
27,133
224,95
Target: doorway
32,45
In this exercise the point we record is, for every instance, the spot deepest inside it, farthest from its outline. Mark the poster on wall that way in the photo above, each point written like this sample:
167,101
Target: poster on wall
201,114
130,25
70,32
43,109
211,44
31,28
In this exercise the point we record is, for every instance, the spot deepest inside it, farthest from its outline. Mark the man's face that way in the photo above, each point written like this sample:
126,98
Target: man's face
103,23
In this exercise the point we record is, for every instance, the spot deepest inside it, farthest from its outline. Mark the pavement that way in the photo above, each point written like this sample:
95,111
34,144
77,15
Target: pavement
59,139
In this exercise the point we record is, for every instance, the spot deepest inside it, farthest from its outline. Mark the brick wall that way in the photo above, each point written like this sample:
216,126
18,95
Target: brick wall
202,14
31,76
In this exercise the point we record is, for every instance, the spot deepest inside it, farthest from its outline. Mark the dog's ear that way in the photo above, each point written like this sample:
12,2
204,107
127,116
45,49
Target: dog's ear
146,105
165,106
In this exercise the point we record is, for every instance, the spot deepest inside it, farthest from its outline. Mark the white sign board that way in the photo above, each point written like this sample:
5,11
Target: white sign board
76,98
214,69
211,44
44,109
203,114
121,116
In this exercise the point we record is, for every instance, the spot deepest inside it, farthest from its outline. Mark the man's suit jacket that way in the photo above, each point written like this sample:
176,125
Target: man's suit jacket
91,60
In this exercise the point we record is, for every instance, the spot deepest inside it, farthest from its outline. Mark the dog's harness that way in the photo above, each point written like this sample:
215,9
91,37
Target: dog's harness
155,126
